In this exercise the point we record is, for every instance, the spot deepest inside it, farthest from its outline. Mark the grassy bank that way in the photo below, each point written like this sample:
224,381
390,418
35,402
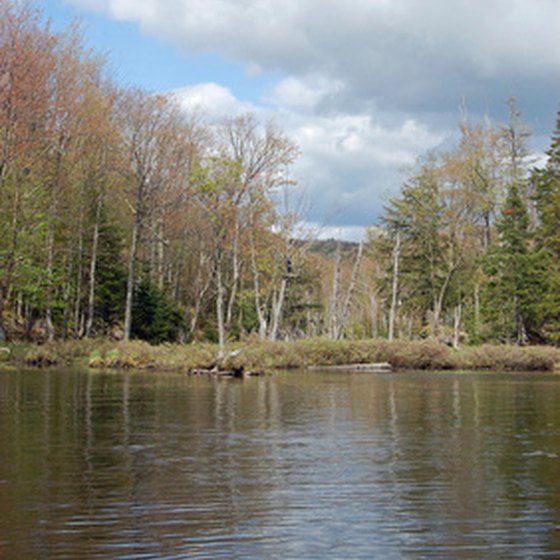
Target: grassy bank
283,355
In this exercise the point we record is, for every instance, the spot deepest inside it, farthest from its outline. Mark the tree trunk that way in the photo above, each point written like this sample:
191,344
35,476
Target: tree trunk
50,266
350,293
476,309
10,262
79,272
521,331
333,322
5,155
457,326
93,265
395,288
277,309
3,335
3,174
160,254
132,270
220,306
487,231
179,269
257,291
438,304
235,280
199,297
373,316
53,208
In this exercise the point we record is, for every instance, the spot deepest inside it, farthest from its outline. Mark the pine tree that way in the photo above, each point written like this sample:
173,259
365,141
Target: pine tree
546,183
516,276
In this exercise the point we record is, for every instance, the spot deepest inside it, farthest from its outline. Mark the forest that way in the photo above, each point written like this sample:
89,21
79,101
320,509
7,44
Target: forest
123,215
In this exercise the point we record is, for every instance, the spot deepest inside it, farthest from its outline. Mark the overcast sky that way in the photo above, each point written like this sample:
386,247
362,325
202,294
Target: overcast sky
363,86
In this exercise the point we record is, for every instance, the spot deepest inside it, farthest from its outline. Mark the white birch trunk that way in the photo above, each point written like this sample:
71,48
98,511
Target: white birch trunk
220,307
350,293
235,279
395,288
93,266
333,322
457,326
277,309
131,273
257,291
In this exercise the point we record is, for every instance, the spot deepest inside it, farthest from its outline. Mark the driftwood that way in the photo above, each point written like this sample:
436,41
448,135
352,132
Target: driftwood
238,372
222,367
378,366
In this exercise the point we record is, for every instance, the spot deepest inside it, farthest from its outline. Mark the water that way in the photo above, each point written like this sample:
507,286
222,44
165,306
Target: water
295,465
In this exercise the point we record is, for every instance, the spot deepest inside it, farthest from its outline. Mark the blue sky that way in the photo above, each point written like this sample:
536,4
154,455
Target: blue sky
363,86
140,60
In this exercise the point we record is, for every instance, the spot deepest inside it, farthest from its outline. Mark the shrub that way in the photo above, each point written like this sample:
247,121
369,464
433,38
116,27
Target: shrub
155,318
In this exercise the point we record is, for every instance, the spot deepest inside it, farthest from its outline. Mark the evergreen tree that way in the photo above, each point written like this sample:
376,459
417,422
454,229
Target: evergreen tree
516,276
155,318
110,277
546,184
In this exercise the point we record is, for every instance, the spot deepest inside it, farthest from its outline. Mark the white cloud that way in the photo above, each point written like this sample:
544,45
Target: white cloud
303,94
349,163
401,52
212,99
366,85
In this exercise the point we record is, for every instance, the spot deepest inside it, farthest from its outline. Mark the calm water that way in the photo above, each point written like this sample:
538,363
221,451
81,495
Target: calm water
308,465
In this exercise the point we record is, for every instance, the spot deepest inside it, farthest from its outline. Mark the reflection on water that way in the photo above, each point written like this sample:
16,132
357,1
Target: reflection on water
296,465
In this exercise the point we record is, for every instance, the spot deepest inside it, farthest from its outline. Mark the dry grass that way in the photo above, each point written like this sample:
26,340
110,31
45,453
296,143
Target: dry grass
424,355
254,355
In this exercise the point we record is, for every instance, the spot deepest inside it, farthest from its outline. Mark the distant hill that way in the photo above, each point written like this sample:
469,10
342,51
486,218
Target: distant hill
327,247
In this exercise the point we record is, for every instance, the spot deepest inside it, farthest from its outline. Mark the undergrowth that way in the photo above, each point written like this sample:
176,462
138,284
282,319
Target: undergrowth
267,355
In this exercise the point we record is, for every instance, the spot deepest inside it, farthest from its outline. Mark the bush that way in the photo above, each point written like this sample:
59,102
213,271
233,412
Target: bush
155,318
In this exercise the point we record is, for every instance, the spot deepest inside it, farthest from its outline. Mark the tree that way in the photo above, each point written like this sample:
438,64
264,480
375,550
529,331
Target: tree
546,185
26,65
155,317
425,216
148,127
516,158
517,276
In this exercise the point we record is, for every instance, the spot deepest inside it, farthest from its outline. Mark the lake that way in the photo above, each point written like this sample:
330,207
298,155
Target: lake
291,465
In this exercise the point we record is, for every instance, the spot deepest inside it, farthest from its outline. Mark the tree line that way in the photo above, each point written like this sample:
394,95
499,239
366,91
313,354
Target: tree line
473,239
122,214
122,211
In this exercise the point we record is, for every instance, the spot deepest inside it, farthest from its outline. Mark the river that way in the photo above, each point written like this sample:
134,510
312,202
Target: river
291,465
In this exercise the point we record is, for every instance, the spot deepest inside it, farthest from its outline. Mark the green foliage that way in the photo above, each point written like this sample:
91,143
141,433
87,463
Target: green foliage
110,275
423,216
517,276
546,185
155,318
549,308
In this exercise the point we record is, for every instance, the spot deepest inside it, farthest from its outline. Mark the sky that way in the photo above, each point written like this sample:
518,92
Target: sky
364,87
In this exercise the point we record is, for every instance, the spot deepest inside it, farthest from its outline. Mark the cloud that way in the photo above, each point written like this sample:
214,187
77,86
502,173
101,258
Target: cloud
349,163
212,99
401,54
301,94
364,86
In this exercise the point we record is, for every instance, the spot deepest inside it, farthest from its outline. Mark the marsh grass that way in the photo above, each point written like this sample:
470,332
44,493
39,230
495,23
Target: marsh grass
263,356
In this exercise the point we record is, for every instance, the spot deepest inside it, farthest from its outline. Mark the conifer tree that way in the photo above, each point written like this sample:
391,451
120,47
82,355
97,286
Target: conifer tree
516,276
546,184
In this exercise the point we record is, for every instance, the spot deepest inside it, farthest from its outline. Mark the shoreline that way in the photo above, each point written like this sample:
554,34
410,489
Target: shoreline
262,356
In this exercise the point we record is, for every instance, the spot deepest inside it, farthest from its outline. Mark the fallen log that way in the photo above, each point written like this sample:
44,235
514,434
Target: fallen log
233,372
377,366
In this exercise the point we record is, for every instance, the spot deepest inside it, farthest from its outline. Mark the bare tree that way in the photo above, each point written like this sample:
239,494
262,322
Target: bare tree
148,134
